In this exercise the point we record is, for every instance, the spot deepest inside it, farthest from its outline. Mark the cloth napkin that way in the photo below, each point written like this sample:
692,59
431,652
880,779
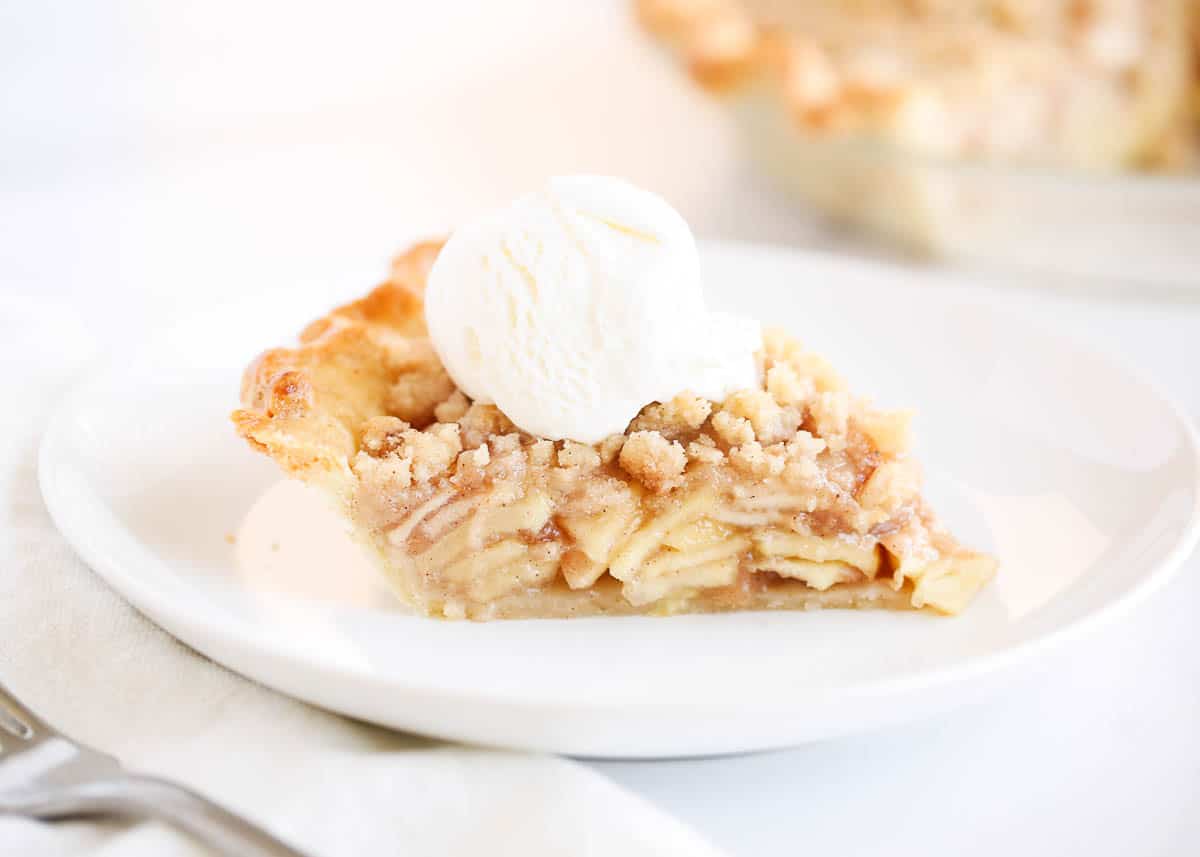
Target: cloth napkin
98,670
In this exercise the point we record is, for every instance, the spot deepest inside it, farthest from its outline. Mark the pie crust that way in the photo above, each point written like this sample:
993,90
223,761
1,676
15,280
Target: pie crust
795,494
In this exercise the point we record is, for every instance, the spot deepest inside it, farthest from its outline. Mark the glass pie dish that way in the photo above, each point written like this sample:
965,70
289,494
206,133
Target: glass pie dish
1123,229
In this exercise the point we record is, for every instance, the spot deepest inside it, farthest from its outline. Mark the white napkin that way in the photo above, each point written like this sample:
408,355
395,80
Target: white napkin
94,667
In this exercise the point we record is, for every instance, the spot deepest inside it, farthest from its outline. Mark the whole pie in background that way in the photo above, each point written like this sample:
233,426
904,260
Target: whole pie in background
790,494
1090,84
967,129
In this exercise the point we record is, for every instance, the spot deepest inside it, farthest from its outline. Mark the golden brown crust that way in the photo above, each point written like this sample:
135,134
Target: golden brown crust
306,407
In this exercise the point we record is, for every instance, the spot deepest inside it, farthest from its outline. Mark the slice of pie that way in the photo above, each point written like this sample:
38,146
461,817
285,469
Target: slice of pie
793,494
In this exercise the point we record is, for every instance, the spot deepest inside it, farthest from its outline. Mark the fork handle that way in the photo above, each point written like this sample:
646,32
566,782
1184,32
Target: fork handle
183,808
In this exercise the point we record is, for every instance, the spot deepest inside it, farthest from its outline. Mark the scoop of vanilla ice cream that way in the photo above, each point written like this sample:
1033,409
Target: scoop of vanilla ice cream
577,305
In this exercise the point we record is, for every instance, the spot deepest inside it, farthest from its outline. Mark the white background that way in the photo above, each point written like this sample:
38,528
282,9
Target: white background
156,157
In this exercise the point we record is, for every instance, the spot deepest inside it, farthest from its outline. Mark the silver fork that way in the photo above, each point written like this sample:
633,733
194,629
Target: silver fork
44,774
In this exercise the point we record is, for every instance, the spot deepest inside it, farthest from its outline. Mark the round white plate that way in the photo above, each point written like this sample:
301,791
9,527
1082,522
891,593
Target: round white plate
1081,478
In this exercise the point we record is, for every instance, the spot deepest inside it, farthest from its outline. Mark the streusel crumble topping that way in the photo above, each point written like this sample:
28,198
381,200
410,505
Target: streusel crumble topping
802,430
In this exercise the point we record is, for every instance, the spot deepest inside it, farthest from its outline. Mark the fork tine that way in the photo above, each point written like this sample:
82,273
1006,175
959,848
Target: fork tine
18,720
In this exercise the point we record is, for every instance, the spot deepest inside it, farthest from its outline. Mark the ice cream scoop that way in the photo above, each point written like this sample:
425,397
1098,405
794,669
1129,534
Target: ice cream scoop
577,305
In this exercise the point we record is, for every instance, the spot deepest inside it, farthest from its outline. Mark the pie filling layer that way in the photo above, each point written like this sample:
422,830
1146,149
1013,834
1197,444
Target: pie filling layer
792,494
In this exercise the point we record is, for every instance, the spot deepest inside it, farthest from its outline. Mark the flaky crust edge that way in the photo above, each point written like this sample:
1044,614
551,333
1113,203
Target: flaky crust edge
305,406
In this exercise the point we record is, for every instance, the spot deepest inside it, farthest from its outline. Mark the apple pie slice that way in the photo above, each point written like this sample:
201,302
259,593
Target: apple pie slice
792,494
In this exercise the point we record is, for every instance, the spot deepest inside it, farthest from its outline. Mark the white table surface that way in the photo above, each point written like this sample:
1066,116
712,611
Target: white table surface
155,159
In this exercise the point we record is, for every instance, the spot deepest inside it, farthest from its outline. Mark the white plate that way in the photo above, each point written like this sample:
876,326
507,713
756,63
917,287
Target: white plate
1081,478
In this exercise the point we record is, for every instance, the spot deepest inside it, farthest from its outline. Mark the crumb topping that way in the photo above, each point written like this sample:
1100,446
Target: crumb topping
683,414
453,409
481,422
799,429
572,454
654,461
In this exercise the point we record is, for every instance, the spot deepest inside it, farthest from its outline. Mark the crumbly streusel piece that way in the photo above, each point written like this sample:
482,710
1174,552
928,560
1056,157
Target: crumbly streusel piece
653,460
683,414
